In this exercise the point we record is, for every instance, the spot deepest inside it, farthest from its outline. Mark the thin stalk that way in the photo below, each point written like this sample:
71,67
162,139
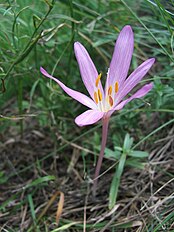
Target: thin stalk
105,124
20,103
72,37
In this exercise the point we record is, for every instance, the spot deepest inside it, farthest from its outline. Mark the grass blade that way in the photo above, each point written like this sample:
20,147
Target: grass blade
116,181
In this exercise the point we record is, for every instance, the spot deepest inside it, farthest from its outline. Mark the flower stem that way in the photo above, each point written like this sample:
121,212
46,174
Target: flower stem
105,123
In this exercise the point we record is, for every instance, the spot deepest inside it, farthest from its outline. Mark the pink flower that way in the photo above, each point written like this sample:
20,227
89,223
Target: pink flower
105,101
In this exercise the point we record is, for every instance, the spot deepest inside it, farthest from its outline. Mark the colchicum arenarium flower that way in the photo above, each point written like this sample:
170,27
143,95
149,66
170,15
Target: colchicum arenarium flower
104,101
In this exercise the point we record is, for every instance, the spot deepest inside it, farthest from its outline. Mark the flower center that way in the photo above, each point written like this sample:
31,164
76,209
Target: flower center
108,102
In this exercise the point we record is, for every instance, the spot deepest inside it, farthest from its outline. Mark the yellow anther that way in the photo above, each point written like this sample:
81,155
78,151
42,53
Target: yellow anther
96,97
111,102
110,90
97,80
99,95
116,86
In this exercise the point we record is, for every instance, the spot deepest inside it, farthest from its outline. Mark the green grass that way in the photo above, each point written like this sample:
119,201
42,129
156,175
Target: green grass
39,139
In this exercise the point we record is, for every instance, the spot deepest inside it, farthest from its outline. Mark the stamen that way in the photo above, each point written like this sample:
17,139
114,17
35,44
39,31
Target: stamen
110,90
116,86
99,95
111,102
97,80
96,97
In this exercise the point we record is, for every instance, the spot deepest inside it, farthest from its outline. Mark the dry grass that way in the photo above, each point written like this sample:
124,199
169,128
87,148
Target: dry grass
145,196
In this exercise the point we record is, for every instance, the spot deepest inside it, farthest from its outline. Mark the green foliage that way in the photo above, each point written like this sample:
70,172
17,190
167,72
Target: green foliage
125,152
3,178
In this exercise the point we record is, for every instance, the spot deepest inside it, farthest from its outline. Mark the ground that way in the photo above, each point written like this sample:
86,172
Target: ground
145,196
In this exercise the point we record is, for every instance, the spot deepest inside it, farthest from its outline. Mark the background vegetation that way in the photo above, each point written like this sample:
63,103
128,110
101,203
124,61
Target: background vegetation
44,155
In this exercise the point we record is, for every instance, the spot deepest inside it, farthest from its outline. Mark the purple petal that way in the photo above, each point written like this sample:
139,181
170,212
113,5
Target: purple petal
88,70
80,97
89,117
121,57
140,93
135,78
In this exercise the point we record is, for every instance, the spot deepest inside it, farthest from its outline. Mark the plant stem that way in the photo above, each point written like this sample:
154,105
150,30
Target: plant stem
72,37
20,103
105,123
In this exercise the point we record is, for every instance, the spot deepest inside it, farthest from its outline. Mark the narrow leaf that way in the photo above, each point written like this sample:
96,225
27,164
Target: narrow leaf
138,154
116,181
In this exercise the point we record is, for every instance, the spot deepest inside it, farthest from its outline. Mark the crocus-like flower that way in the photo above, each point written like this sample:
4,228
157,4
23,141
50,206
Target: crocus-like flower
104,102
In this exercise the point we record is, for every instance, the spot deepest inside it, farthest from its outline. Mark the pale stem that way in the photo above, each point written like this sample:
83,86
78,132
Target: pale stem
105,123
